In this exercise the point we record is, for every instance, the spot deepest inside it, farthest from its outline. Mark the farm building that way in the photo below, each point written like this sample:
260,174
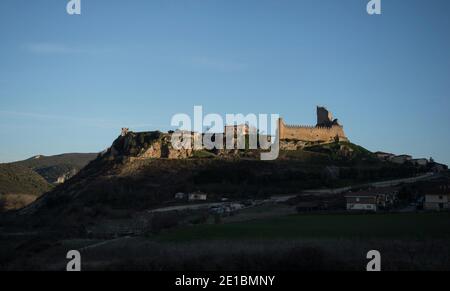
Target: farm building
437,198
372,199
198,196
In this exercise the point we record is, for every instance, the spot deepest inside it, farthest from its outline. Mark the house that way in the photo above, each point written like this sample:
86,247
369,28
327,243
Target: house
401,159
420,162
384,156
197,196
439,168
437,198
371,200
180,196
361,202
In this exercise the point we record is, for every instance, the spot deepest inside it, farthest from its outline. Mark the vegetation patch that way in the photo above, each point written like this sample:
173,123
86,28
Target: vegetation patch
19,185
364,226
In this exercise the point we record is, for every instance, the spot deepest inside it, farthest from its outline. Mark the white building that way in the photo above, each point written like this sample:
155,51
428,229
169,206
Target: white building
437,198
361,202
420,162
401,159
198,196
436,202
180,196
372,199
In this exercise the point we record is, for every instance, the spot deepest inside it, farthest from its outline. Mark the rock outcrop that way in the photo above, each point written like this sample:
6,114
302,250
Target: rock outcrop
146,145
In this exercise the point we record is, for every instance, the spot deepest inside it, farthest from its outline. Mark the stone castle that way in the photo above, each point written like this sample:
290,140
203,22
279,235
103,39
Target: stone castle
327,129
145,145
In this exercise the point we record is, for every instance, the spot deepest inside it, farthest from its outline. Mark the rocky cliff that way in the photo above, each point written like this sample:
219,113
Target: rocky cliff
145,145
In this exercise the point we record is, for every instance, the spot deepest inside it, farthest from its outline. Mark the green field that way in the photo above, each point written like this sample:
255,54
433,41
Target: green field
364,226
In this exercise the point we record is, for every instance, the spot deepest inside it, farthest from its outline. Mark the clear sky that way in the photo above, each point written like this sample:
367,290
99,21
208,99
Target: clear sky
69,83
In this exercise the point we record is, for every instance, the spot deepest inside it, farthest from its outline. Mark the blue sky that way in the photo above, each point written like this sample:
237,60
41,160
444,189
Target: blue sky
69,83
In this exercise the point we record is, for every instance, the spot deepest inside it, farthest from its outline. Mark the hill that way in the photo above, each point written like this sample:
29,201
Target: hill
61,167
128,179
19,186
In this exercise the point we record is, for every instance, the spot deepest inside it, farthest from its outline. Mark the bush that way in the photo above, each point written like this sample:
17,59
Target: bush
2,203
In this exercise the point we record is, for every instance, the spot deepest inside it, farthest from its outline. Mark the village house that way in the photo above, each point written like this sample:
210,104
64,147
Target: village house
420,162
372,199
401,159
361,202
384,156
197,196
437,198
180,196
438,168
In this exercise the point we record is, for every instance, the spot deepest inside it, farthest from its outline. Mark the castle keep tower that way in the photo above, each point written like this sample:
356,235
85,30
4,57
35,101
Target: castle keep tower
324,117
327,129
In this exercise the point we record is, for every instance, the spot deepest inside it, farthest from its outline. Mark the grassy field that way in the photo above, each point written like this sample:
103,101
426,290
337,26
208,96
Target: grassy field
286,243
364,226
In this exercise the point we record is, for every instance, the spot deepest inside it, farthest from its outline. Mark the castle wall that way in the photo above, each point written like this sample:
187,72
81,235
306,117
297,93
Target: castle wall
310,133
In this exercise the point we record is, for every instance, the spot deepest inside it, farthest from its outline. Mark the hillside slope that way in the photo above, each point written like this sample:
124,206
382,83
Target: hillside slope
127,180
19,186
62,167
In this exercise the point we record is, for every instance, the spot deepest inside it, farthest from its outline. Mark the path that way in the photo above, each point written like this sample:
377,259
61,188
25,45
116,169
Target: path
284,198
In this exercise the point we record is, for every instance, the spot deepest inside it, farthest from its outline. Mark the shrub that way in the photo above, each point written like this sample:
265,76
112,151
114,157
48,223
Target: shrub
2,203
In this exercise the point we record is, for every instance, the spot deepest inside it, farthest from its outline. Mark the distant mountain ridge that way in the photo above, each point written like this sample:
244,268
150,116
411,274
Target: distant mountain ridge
24,181
20,186
58,168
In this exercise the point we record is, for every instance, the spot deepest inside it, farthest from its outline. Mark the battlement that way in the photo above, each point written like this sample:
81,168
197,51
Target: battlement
326,130
320,127
298,126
